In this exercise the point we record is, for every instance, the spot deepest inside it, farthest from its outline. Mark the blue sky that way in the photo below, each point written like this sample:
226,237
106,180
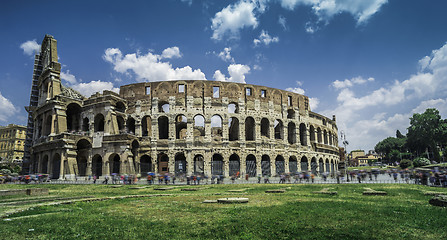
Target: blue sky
371,63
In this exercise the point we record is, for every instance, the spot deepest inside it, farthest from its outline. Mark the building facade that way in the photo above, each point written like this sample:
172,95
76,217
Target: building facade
12,142
180,127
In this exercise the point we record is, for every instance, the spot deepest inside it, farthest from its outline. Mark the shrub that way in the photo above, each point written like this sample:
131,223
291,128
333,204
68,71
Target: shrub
420,161
406,163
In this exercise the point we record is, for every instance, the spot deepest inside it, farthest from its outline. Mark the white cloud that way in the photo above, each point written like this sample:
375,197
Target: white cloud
189,2
87,89
7,109
225,55
67,76
314,102
231,19
350,82
30,47
265,38
237,73
296,90
150,67
172,52
283,22
326,9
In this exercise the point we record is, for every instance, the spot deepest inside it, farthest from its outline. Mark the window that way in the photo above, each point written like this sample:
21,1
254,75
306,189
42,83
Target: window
289,100
248,91
148,90
263,93
181,88
216,92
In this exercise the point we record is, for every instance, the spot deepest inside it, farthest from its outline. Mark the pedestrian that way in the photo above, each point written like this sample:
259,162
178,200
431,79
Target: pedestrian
94,179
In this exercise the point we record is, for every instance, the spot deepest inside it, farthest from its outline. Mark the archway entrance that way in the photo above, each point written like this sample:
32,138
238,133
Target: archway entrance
217,165
163,163
56,166
234,165
97,165
145,165
180,164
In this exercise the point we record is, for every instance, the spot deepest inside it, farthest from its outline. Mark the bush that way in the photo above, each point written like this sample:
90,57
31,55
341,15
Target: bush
406,163
420,161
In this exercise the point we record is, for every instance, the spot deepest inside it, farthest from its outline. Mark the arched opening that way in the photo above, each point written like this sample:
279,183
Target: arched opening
216,128
199,164
250,164
313,165
332,167
265,127
321,165
325,137
233,108
135,148
265,165
279,129
163,127
233,129
163,163
330,138
180,164
312,133
319,135
120,107
291,133
199,126
97,165
130,125
293,164
303,135
73,117
328,166
279,164
48,125
44,166
83,149
304,164
85,125
249,129
120,122
181,124
115,163
217,165
290,114
56,166
99,123
234,165
146,126
163,107
145,165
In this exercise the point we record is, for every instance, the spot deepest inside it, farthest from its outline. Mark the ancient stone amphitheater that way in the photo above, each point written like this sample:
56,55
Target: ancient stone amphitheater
180,127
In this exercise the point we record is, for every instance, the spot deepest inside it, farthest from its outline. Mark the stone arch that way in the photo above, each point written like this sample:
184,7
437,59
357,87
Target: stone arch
233,129
280,165
44,165
330,138
97,165
199,164
304,164
73,117
233,107
146,126
303,135
279,129
99,123
83,150
291,133
313,165
163,127
115,163
293,164
130,124
120,107
216,127
321,165
265,127
180,164
250,129
265,165
312,133
217,164
320,139
163,163
120,122
199,126
234,165
56,166
291,114
145,165
163,107
48,125
250,165
328,166
181,124
325,137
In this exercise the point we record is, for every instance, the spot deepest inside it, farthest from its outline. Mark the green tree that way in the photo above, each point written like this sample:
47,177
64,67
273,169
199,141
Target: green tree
420,161
405,163
399,135
387,145
426,131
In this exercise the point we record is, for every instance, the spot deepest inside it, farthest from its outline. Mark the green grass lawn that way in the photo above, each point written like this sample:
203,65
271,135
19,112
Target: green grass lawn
296,214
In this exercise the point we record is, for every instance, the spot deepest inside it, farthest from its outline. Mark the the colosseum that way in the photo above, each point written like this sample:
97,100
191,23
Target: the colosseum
180,127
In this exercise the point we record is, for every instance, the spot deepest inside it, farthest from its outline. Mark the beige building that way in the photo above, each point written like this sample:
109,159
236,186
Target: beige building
180,127
12,142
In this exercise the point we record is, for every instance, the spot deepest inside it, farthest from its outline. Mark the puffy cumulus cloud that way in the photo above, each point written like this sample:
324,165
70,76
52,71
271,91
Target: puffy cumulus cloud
350,82
7,109
87,89
68,77
296,90
30,47
314,102
225,55
326,9
150,67
265,38
172,52
237,73
440,104
231,19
